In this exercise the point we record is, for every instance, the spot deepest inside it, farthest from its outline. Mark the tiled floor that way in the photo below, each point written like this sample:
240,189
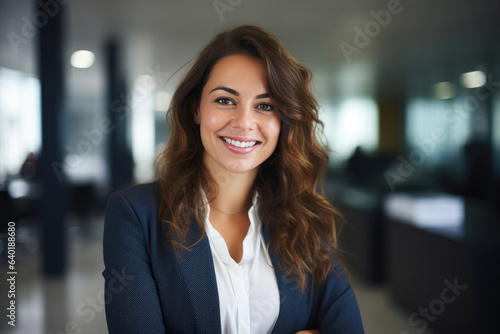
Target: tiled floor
75,304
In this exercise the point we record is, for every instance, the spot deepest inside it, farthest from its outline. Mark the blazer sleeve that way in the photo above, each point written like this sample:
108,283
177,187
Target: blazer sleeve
338,310
131,296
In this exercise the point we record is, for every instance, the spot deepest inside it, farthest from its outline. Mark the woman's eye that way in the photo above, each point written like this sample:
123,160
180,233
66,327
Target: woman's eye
265,107
224,100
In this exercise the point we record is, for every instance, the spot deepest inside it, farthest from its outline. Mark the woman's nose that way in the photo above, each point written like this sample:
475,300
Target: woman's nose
243,118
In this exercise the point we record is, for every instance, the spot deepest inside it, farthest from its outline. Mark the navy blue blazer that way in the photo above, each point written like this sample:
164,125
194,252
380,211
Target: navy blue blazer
149,290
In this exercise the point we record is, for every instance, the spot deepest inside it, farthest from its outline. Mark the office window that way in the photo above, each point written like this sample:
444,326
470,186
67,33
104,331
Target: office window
20,119
353,123
439,128
143,128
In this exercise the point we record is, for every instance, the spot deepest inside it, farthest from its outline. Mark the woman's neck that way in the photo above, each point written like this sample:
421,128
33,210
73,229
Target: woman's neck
234,191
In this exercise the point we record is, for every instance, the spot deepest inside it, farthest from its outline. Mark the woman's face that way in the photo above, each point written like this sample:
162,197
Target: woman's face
238,127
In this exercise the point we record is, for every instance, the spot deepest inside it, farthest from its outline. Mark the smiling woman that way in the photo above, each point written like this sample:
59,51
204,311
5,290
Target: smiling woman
238,127
233,237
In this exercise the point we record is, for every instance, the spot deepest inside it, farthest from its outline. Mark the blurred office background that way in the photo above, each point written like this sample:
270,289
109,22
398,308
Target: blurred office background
410,99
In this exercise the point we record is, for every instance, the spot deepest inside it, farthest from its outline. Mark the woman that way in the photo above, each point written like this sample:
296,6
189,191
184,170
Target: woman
233,236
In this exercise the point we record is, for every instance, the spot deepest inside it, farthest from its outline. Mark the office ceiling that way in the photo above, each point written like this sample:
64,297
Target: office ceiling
437,37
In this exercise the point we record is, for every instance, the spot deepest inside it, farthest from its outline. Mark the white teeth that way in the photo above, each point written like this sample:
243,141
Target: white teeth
237,143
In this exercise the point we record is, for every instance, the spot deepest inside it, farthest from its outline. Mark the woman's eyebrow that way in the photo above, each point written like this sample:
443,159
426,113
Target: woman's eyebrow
227,89
232,91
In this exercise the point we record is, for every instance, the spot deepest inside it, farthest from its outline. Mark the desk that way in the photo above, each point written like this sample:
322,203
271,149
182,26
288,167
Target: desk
422,262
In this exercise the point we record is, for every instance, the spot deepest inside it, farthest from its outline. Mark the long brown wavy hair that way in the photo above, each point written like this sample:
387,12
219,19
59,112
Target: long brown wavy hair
300,221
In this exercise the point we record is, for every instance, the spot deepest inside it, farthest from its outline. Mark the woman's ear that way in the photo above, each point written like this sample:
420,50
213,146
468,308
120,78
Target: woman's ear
197,116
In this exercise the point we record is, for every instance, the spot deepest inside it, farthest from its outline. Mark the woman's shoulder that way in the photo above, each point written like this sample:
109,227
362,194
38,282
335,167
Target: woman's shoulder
132,208
137,195
146,192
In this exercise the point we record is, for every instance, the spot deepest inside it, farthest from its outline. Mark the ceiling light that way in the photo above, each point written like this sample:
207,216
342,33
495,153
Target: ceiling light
82,59
473,79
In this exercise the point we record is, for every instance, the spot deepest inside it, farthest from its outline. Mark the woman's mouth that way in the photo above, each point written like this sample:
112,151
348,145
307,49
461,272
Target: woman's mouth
240,146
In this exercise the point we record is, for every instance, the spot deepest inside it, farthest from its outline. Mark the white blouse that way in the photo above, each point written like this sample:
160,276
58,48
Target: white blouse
248,291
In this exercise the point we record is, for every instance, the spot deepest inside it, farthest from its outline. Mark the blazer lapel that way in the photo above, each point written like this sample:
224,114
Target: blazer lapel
290,297
199,274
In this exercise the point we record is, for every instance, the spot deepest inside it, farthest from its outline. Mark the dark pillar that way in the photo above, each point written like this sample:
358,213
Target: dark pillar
53,202
120,157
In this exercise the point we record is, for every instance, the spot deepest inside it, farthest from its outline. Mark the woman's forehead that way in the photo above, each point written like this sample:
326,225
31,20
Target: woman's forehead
240,73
